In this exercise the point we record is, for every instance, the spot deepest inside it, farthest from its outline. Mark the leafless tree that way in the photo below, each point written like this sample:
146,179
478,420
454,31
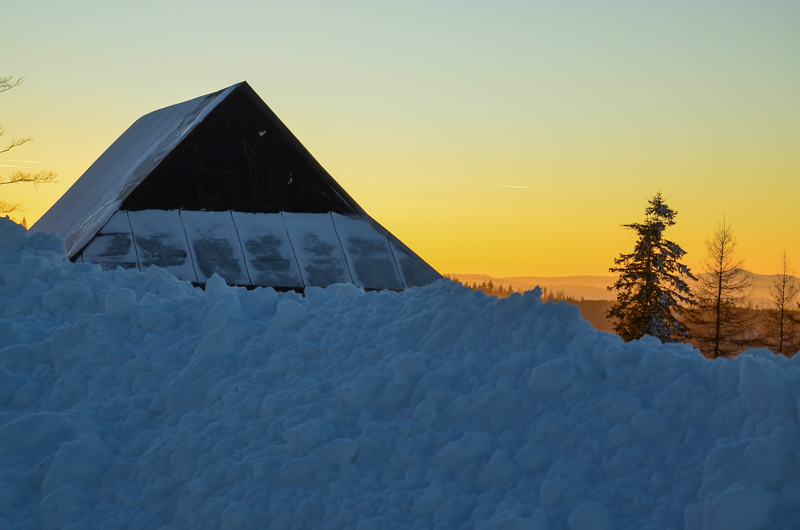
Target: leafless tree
19,177
722,325
782,320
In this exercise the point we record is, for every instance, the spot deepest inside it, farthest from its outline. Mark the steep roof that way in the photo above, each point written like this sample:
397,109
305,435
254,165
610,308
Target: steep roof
225,151
135,155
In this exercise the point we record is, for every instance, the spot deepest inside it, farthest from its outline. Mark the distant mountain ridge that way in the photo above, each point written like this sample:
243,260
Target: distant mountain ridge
585,286
596,287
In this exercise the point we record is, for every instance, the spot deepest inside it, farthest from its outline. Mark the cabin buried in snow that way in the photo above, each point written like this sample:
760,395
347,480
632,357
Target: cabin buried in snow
219,184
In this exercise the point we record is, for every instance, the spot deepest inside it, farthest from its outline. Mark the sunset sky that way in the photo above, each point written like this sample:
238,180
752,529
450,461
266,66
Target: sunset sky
508,138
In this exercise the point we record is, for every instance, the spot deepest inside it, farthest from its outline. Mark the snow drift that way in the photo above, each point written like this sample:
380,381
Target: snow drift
133,400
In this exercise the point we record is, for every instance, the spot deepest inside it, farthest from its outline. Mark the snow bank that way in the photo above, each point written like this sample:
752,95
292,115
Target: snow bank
132,400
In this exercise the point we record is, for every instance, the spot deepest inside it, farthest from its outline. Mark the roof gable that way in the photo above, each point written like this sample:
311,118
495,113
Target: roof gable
97,195
223,152
241,158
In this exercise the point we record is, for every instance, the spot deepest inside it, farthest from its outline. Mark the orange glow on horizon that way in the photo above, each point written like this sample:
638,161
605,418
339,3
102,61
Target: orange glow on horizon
510,140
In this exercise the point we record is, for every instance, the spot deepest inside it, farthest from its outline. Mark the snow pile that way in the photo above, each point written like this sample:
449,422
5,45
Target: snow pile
132,400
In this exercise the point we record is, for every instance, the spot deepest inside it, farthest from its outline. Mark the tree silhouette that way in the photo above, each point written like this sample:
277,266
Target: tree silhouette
781,320
650,289
722,325
19,177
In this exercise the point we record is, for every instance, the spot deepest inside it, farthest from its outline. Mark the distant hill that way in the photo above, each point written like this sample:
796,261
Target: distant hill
586,287
595,287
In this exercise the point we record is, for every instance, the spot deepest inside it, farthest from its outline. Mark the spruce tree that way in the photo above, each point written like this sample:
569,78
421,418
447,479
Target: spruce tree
650,289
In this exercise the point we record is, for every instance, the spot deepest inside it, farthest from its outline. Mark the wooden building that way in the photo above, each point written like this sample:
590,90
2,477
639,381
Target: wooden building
219,184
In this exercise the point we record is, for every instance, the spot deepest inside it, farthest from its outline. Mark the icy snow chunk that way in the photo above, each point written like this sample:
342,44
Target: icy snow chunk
236,515
9,384
133,368
740,509
81,463
649,423
359,392
120,302
790,493
7,496
267,250
337,452
8,334
470,447
161,240
299,470
396,391
499,471
769,463
509,522
227,304
289,315
216,342
552,491
190,387
214,243
136,420
11,234
69,295
141,443
317,248
369,257
532,458
590,515
758,385
430,501
625,406
32,430
154,320
411,364
623,463
551,378
27,394
51,503
307,436
620,434
241,328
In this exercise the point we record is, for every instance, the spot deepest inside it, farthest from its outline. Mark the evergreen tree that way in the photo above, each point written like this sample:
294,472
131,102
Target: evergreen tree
650,289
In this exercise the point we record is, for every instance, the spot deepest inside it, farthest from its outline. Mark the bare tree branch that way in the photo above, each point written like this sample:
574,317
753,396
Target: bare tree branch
16,142
40,177
20,177
7,82
722,325
8,207
781,319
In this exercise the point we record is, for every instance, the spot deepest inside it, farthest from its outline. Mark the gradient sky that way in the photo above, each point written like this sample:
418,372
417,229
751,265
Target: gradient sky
508,138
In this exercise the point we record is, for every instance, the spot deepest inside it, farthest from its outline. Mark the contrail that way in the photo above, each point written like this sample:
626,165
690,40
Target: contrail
24,161
9,165
506,186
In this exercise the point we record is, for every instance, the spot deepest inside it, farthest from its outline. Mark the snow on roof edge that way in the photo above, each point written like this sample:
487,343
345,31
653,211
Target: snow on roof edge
105,184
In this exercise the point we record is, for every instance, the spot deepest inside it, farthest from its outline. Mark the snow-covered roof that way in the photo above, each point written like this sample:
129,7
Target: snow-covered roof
163,158
283,250
97,195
